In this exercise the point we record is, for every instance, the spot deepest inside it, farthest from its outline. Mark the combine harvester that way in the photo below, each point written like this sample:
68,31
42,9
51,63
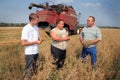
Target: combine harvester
49,14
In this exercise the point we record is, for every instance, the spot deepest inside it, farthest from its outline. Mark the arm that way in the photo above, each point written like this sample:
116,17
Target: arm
98,37
81,39
88,42
41,39
57,38
24,38
95,41
26,43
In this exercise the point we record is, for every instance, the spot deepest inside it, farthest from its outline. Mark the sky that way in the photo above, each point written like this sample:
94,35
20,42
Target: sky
106,12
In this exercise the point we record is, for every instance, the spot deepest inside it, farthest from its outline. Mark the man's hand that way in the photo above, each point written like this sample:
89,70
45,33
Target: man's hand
40,40
86,43
26,43
66,38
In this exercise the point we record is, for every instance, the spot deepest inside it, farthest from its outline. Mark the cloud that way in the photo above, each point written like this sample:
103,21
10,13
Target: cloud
90,4
63,1
53,1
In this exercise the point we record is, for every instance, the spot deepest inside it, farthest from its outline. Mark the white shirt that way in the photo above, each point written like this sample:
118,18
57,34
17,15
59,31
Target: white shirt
30,34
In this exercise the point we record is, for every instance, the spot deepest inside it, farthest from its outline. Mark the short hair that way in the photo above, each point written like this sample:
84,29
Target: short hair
92,18
58,21
33,16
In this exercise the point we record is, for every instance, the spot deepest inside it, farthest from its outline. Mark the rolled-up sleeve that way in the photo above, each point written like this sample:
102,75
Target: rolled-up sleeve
99,36
24,35
81,33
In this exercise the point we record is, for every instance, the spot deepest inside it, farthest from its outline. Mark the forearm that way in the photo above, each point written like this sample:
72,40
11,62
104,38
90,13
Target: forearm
95,41
25,43
58,39
41,39
81,39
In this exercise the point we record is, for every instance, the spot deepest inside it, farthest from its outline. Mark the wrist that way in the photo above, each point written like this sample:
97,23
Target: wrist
82,42
63,38
92,42
35,42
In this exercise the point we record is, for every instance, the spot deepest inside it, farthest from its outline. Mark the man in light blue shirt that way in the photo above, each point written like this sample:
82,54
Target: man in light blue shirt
89,37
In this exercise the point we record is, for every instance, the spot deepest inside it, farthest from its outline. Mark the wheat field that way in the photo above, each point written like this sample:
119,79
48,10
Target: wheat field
12,62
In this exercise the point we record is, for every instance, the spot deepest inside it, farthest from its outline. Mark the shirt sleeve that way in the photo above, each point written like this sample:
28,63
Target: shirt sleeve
81,33
99,36
24,35
38,31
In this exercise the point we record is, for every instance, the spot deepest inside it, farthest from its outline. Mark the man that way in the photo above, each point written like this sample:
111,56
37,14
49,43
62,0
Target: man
30,40
59,44
89,37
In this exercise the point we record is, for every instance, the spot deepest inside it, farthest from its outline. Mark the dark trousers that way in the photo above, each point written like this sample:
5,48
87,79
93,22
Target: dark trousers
58,55
31,60
31,66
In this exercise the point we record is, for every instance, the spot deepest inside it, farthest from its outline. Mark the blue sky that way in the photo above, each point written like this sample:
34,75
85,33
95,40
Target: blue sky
106,12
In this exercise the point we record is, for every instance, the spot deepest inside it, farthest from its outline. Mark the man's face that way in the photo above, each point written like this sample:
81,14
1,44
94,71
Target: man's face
35,21
90,22
60,24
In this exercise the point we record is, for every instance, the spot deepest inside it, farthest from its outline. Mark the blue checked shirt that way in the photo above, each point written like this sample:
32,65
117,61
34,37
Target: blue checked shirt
89,33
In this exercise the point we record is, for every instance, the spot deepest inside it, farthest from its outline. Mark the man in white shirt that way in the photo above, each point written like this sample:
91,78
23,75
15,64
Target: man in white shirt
30,40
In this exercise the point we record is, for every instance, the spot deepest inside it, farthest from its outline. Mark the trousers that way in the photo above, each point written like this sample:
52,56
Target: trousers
93,53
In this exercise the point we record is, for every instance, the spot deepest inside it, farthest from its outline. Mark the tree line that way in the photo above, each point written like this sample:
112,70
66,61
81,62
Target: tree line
2,24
